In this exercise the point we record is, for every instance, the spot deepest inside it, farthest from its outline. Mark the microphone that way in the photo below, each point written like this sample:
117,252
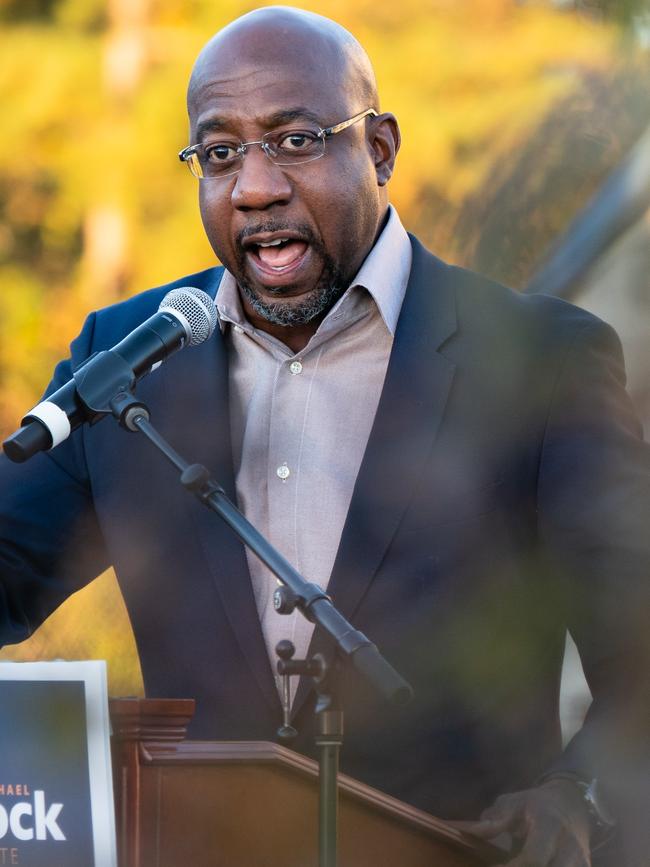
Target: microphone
186,317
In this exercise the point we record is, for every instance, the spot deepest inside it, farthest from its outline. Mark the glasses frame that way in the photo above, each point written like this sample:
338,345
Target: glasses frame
189,154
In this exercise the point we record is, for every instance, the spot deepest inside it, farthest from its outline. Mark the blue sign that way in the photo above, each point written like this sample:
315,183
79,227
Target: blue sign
55,785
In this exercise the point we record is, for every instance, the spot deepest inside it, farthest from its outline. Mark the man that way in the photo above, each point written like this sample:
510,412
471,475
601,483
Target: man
459,465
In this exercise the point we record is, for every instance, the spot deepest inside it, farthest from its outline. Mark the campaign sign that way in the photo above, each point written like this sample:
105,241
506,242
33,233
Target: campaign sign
56,793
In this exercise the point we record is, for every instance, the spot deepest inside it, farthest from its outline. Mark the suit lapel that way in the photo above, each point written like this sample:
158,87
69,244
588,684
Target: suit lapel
199,426
412,403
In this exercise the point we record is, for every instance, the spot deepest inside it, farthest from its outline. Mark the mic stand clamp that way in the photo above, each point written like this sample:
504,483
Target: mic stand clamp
126,408
328,738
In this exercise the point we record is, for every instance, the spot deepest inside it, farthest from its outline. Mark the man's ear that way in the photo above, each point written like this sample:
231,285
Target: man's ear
385,142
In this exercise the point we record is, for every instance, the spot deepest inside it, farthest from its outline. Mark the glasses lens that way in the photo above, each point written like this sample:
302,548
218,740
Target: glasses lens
194,165
217,159
293,146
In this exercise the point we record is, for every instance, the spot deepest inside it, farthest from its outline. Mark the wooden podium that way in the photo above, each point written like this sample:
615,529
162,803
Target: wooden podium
253,804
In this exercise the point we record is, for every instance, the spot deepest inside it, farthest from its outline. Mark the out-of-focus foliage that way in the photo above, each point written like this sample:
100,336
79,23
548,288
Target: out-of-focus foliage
623,11
511,114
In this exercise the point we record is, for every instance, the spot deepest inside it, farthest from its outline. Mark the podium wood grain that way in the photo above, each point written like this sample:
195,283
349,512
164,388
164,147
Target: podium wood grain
253,804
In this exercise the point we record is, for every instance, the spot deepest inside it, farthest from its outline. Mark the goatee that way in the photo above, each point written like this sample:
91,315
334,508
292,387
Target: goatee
327,291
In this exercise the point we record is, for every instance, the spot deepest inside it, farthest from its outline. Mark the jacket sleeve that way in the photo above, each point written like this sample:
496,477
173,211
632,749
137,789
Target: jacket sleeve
594,514
50,542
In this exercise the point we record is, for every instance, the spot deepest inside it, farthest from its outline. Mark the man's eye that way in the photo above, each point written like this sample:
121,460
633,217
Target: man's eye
218,153
297,140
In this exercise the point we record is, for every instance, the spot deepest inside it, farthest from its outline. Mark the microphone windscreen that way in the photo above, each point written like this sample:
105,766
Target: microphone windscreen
196,307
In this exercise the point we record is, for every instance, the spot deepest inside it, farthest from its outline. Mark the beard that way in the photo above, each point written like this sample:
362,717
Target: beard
321,298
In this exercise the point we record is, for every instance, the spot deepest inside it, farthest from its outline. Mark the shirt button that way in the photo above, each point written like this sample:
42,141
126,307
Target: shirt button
283,472
239,329
295,367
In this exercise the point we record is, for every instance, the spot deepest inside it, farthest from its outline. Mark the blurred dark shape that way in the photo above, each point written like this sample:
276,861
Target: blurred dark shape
89,15
530,197
602,261
622,11
27,10
617,206
28,240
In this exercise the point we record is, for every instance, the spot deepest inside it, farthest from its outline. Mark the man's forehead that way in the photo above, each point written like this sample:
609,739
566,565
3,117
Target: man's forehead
267,91
249,78
225,73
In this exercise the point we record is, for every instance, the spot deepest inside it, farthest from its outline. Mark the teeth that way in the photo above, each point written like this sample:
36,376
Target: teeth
272,243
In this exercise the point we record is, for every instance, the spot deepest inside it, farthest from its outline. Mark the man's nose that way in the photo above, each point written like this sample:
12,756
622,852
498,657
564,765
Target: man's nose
260,183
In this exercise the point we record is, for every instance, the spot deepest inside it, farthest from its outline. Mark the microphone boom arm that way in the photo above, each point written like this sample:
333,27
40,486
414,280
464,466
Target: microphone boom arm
311,599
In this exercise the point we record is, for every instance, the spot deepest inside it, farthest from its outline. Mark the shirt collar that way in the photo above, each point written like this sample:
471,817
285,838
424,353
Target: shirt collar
385,270
384,274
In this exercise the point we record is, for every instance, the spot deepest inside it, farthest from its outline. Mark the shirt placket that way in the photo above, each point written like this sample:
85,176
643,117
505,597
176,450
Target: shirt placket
288,417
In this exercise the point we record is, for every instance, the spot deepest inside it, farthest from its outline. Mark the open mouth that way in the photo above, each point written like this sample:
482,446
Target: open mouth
277,259
280,254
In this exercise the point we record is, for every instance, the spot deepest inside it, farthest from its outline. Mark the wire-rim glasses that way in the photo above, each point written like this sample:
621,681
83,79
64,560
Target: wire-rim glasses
288,147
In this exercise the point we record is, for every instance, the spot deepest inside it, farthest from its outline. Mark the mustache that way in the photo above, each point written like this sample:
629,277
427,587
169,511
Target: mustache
302,229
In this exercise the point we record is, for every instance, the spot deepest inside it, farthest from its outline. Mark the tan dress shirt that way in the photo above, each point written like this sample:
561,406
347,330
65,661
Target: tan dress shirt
300,422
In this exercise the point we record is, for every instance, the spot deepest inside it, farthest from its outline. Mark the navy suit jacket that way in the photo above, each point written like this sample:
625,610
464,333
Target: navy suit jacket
502,498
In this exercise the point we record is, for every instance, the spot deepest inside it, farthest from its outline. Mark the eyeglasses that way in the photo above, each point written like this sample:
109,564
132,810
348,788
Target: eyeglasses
289,147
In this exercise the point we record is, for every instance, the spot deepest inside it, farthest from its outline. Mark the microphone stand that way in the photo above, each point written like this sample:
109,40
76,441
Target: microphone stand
110,390
329,734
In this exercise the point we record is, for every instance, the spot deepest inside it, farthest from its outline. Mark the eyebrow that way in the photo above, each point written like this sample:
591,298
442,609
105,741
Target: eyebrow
216,124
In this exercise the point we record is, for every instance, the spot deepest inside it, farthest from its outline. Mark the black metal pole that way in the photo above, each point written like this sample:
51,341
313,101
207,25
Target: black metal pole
328,740
329,733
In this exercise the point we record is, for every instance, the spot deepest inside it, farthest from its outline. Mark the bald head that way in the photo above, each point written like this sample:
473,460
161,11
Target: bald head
277,36
284,118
